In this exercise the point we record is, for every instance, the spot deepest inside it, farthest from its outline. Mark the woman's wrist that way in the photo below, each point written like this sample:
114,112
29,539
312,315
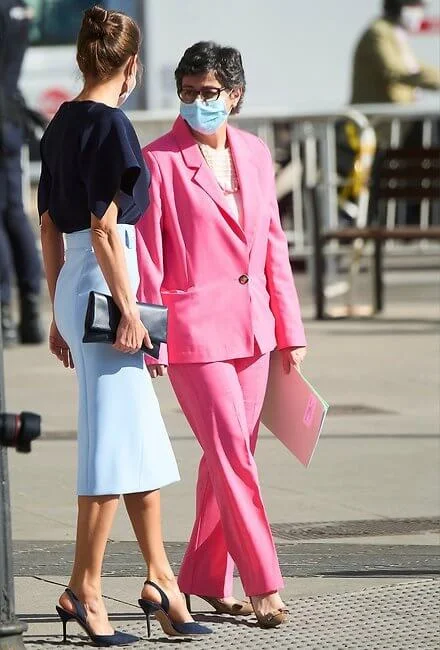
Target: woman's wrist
127,305
130,312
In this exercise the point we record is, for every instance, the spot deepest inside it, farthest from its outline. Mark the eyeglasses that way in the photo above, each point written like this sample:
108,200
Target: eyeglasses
207,94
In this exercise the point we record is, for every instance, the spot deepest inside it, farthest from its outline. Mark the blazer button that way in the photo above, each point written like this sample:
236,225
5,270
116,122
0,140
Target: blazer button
243,279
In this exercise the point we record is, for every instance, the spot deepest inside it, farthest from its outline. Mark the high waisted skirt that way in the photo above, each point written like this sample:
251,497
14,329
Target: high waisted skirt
123,445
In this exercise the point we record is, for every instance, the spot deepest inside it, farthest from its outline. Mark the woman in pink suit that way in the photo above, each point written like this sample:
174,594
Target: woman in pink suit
211,248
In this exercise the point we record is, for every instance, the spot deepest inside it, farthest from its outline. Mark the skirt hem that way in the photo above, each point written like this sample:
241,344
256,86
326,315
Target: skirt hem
92,493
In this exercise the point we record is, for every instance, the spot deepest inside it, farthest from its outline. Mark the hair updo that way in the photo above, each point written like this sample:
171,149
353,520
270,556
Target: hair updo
106,40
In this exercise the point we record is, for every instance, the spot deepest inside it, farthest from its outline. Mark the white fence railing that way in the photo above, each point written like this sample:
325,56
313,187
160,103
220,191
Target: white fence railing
307,144
310,139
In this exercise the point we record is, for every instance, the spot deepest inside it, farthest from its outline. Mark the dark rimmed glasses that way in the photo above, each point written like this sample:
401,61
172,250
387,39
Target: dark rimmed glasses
207,94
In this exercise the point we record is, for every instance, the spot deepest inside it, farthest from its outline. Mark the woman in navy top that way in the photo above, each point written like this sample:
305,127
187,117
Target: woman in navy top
94,188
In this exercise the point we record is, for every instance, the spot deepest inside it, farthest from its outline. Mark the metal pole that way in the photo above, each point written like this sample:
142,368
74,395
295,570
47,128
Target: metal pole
329,187
11,629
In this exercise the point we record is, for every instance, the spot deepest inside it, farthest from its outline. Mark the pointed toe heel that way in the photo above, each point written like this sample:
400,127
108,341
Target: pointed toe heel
274,619
240,608
161,612
80,616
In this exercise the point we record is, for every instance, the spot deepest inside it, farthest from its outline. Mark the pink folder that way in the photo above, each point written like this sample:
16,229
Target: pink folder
293,411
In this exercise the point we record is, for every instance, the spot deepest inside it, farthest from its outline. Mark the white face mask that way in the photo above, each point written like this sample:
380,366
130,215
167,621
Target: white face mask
412,18
131,85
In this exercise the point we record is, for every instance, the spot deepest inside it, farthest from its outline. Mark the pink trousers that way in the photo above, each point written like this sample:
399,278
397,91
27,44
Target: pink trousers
222,402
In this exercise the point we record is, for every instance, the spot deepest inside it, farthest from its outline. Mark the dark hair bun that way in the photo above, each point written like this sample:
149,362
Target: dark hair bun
106,40
96,22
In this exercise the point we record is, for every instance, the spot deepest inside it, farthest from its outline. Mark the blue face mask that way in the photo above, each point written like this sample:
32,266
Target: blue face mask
204,117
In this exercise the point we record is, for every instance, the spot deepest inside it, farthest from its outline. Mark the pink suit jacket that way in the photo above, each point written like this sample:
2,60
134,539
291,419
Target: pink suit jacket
194,256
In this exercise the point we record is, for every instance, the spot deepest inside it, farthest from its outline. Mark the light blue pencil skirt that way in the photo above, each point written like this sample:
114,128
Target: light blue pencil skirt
123,445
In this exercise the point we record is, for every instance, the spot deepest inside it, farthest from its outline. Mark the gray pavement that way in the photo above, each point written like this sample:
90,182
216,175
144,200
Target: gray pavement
402,616
357,532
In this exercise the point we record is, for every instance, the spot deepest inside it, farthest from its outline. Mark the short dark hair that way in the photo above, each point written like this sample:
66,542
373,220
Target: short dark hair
224,62
393,8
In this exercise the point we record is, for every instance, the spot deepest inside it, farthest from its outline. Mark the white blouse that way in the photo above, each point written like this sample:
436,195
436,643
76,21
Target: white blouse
222,165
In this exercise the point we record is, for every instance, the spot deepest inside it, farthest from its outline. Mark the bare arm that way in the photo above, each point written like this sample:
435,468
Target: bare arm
53,252
52,244
110,255
109,252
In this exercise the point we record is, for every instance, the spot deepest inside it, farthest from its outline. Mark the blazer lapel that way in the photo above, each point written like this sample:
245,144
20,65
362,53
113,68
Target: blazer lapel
203,176
248,179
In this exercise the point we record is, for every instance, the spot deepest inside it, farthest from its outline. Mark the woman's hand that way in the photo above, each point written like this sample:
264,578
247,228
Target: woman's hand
109,251
157,370
131,334
59,347
293,357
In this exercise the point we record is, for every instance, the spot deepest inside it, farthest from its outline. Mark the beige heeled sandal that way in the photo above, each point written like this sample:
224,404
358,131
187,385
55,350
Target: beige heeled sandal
273,619
240,608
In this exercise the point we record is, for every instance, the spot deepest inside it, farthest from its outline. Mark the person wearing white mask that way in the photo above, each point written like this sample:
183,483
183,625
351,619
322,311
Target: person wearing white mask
93,189
385,67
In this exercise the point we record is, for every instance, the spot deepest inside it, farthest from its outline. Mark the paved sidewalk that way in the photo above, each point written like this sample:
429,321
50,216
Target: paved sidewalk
357,532
404,616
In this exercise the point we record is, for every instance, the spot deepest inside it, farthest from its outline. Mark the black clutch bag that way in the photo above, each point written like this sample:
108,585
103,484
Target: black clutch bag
103,316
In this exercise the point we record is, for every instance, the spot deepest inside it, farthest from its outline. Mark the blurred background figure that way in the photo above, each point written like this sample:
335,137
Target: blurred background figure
385,67
18,252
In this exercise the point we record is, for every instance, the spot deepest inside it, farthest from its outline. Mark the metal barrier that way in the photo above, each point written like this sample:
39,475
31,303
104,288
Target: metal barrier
312,156
305,153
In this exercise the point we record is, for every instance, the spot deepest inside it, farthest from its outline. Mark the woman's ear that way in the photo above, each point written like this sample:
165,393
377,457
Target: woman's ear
235,96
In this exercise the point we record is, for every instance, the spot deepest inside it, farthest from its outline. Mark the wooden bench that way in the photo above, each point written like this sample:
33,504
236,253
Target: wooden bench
400,174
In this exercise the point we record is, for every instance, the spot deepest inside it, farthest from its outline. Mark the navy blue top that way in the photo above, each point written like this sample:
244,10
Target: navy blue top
89,154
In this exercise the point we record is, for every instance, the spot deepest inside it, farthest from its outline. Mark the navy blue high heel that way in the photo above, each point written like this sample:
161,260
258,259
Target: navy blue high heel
162,613
80,616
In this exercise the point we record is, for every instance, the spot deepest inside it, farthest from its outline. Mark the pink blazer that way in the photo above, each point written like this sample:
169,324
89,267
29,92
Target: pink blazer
224,286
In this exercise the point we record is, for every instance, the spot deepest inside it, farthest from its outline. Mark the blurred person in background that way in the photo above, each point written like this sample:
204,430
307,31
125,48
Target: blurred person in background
212,249
385,67
93,188
18,251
